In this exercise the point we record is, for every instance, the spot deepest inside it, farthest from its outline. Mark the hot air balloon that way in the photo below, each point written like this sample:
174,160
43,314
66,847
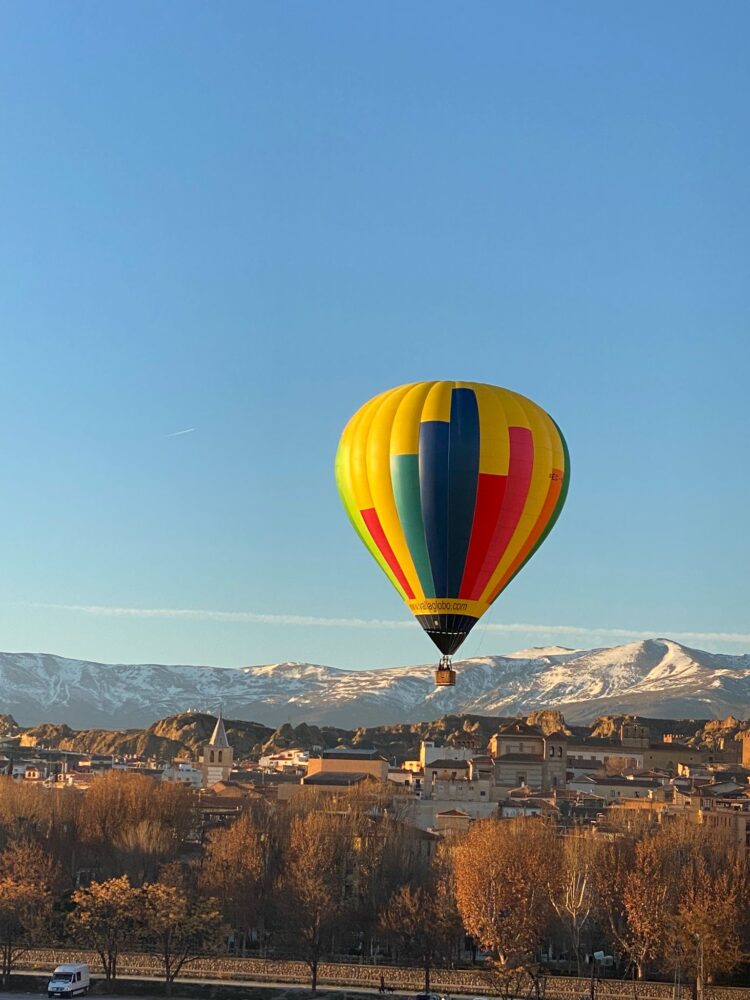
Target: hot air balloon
452,486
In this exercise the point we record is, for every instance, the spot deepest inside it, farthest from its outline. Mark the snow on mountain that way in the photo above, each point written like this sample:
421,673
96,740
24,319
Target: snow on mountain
656,677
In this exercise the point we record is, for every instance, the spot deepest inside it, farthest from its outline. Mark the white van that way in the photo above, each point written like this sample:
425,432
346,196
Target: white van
69,981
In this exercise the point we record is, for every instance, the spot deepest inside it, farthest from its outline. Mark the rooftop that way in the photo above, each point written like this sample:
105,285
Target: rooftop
219,735
618,780
343,778
519,728
350,753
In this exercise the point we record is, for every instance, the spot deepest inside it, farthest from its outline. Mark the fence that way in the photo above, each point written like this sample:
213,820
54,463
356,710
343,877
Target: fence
468,981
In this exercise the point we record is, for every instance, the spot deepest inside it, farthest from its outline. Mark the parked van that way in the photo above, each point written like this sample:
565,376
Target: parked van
69,981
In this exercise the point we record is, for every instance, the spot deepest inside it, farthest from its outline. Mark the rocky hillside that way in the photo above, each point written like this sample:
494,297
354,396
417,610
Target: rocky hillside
182,734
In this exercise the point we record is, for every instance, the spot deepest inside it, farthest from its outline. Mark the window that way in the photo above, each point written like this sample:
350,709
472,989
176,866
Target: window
211,758
551,751
220,753
559,751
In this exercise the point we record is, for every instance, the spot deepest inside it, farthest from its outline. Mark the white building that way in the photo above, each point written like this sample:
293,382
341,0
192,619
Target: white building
430,751
183,772
285,760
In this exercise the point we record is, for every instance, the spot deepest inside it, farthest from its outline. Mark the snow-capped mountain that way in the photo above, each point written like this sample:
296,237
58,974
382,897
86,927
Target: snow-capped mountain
656,677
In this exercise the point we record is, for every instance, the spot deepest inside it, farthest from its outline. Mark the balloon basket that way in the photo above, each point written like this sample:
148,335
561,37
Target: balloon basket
445,675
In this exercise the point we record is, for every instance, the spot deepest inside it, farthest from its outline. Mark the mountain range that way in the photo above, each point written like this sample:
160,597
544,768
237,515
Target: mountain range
654,677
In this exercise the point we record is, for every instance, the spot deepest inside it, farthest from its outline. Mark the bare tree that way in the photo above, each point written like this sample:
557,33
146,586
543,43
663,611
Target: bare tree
315,890
232,871
573,889
422,920
705,936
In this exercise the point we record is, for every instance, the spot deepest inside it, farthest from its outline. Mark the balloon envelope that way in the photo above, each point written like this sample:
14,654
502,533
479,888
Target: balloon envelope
452,486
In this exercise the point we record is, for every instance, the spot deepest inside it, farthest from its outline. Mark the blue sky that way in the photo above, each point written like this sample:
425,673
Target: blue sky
248,218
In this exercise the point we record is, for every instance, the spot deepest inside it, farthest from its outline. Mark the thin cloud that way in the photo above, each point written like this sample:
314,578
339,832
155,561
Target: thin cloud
176,434
313,621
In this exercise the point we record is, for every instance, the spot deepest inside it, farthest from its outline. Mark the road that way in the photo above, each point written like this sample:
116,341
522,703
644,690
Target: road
250,983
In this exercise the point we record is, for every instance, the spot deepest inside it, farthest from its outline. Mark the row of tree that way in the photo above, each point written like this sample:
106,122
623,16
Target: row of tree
324,877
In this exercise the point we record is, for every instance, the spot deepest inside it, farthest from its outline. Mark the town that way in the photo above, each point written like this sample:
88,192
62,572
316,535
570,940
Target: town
522,769
307,854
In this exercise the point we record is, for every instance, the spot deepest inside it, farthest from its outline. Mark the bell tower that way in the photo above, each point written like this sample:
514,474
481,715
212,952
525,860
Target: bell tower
217,756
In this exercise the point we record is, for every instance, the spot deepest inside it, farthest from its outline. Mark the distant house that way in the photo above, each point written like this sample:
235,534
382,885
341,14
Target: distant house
183,772
452,822
349,760
336,781
613,787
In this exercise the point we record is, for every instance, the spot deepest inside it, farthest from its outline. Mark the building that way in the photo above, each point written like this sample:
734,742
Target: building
525,757
612,787
346,760
216,757
727,814
337,781
430,751
634,749
183,772
452,822
634,735
294,761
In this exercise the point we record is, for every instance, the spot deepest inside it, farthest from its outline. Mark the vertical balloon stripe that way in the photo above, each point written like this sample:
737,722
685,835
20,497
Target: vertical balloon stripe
437,404
541,432
349,498
405,430
381,487
405,478
494,444
372,521
490,493
519,477
433,490
550,502
358,452
463,470
558,506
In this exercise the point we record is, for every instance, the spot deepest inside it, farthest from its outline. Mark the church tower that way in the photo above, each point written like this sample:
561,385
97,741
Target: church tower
216,757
